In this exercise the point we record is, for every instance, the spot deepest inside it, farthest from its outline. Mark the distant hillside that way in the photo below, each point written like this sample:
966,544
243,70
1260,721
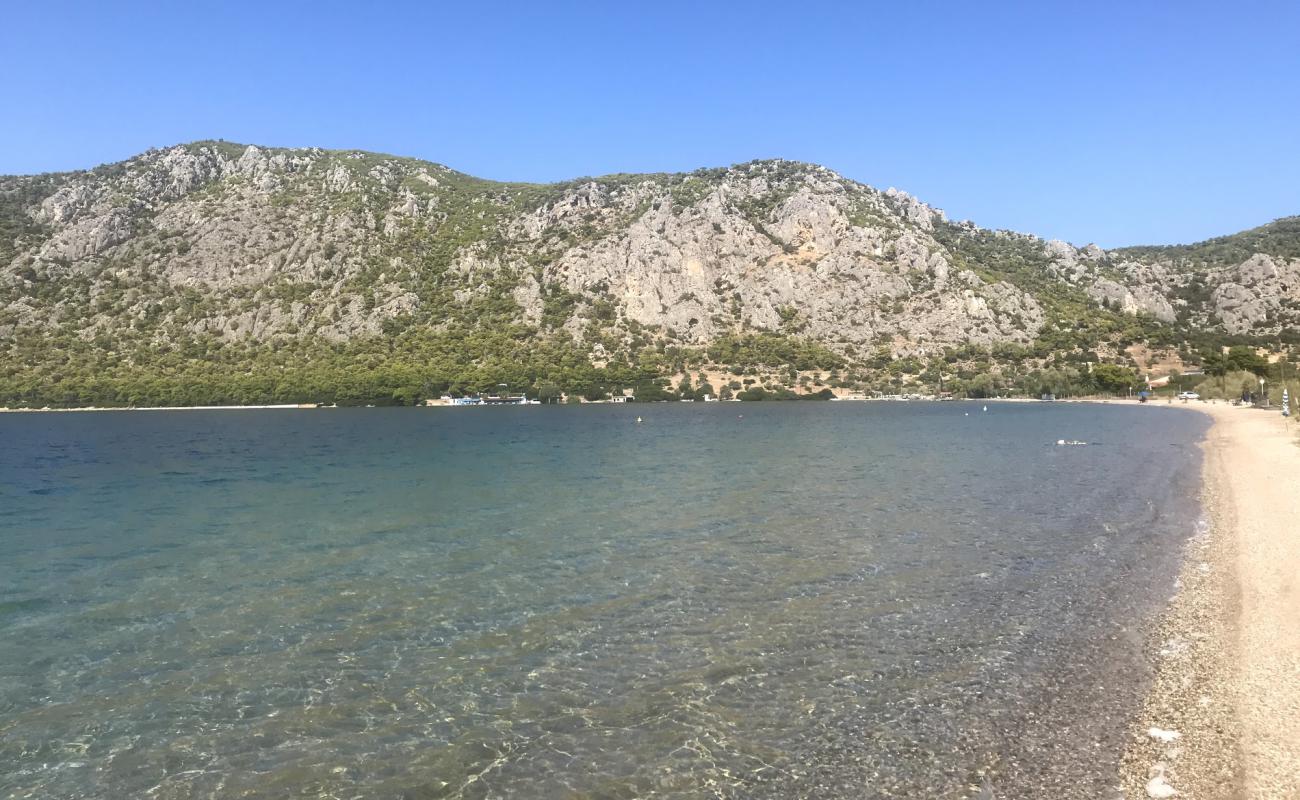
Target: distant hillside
216,272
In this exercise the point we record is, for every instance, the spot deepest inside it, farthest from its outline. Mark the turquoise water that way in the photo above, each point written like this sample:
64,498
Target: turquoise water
727,600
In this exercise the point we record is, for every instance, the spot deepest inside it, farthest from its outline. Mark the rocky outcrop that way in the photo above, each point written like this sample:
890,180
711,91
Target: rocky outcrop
1257,294
1136,298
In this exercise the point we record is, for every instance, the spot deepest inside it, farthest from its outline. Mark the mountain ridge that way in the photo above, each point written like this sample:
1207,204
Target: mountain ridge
238,148
253,252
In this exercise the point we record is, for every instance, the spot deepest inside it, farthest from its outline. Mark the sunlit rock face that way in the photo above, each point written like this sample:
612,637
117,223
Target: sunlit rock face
250,243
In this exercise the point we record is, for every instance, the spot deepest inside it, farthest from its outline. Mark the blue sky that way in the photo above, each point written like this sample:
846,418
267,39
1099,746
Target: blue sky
1115,122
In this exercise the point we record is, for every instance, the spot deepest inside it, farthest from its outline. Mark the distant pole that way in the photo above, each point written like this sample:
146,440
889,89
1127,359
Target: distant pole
1281,368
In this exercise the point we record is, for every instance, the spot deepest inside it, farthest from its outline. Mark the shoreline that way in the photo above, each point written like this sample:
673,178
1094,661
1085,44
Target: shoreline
84,409
1222,716
317,406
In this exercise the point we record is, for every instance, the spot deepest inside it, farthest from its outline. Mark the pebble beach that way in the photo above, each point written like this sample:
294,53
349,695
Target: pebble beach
1223,717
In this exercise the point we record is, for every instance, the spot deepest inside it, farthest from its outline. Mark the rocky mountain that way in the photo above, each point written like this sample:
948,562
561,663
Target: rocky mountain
292,271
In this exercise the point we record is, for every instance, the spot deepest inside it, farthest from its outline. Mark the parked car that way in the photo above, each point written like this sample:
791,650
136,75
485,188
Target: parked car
1188,396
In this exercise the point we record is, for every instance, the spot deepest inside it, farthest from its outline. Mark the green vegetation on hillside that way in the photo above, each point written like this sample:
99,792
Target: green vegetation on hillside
401,369
216,273
1279,238
18,230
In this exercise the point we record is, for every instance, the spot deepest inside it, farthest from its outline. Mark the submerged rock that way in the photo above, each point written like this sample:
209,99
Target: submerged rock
1158,787
1159,734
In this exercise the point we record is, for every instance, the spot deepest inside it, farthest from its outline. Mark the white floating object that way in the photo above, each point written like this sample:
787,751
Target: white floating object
1163,735
638,419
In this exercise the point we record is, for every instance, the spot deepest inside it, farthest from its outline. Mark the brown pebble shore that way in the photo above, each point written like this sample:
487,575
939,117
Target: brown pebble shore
1226,653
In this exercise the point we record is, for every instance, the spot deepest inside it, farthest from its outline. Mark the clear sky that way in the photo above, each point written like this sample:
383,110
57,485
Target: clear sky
1122,122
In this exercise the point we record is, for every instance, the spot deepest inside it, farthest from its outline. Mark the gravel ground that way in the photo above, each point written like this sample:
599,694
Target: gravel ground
1223,717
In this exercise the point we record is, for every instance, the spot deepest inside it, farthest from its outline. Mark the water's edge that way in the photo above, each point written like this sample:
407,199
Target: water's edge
1186,734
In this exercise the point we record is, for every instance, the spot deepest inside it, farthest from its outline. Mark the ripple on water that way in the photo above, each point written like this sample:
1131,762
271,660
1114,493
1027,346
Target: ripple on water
831,601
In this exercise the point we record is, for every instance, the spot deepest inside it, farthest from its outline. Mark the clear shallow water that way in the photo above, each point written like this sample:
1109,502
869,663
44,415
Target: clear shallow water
823,600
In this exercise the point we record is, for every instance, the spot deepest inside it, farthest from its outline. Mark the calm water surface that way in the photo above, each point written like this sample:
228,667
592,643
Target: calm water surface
809,600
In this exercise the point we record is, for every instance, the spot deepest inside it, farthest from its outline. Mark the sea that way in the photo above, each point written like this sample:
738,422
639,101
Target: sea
732,600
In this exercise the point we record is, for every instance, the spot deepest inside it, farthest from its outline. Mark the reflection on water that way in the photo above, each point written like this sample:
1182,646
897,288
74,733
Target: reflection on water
829,600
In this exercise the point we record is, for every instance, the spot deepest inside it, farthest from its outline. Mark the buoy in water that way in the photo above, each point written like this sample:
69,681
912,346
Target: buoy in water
638,419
